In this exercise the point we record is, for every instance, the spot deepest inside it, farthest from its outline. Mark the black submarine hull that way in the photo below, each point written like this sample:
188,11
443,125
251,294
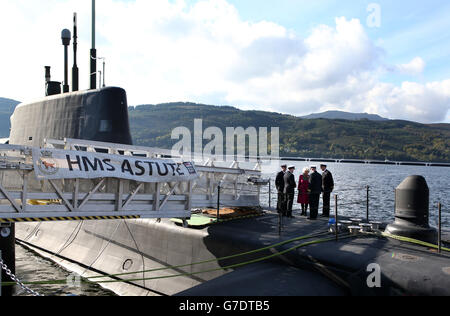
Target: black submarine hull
98,115
159,256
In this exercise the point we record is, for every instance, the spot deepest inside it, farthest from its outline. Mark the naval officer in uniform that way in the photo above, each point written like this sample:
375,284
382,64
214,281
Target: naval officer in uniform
289,190
327,188
315,189
279,184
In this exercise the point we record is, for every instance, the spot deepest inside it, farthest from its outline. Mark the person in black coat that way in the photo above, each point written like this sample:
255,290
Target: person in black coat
279,184
327,189
289,190
315,189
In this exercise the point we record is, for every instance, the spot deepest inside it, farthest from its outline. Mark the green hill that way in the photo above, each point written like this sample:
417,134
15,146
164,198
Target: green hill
152,125
339,115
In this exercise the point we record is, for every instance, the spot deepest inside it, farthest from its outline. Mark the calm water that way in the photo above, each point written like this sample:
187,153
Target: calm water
351,182
31,267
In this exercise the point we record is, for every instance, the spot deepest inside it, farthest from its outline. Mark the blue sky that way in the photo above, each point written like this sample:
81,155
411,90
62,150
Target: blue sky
408,28
288,56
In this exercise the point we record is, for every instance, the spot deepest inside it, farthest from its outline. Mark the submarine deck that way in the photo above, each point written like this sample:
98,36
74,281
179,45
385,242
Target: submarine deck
330,268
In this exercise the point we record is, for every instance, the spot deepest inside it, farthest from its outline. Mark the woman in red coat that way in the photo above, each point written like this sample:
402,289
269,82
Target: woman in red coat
303,196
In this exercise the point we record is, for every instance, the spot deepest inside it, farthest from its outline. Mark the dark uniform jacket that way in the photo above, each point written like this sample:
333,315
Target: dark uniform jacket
315,183
279,182
327,182
289,183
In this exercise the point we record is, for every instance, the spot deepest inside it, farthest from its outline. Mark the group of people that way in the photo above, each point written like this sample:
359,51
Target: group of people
311,186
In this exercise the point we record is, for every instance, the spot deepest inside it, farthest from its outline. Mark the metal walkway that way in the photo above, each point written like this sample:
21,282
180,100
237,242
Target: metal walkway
25,198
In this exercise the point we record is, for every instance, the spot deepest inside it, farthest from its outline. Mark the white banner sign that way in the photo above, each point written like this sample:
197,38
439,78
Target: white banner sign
61,164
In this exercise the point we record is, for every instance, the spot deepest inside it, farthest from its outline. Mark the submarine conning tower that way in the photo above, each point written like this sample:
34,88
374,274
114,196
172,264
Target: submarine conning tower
98,115
95,114
412,201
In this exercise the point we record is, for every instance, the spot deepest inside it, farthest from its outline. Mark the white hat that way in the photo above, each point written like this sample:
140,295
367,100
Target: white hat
313,167
291,167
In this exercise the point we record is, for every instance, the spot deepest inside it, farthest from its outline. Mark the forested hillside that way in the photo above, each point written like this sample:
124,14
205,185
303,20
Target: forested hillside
152,125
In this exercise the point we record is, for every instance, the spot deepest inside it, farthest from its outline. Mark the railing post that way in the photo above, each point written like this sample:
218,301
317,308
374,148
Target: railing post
24,191
218,202
157,197
76,188
119,195
270,193
440,228
189,197
336,216
367,201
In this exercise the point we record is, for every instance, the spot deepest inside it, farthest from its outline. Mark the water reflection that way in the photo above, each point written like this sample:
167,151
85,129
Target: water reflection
31,268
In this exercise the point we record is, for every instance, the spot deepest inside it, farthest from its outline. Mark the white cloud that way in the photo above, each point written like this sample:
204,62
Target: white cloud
415,67
412,101
162,51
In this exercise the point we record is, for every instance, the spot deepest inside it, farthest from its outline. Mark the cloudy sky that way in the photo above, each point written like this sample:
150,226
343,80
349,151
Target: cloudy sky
291,56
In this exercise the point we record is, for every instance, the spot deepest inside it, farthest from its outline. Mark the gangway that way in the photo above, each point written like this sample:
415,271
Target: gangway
26,198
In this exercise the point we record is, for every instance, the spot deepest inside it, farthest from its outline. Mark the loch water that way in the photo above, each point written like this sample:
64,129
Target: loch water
351,181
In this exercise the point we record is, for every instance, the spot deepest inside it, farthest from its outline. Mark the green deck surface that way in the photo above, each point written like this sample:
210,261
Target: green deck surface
197,220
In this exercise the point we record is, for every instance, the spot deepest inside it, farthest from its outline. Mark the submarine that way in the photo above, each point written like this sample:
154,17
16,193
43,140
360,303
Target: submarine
244,257
95,114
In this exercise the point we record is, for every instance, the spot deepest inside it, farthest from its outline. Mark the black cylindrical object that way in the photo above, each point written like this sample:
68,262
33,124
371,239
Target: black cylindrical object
412,211
93,53
439,228
75,76
75,80
270,193
93,69
218,203
336,217
367,204
53,88
7,246
48,76
66,70
65,37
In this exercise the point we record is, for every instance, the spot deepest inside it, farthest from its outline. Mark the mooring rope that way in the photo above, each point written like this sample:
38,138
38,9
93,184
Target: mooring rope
89,280
413,241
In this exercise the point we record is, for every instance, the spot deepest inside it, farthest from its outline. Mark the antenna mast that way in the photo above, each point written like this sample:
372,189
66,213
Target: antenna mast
93,53
75,76
65,37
